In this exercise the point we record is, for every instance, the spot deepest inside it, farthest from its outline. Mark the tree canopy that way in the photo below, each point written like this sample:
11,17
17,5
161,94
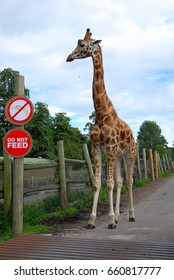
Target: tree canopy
40,127
150,137
89,125
72,137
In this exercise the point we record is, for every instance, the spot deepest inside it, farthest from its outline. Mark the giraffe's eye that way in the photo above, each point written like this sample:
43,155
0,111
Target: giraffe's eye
82,45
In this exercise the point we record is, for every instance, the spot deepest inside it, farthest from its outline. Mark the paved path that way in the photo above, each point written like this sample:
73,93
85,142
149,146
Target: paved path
154,219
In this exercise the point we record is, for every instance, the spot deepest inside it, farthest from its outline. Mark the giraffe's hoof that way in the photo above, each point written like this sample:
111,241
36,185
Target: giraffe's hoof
111,226
90,226
132,219
116,221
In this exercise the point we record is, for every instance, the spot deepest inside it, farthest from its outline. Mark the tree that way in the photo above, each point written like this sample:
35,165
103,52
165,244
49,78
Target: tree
72,137
162,150
7,78
150,136
41,130
89,125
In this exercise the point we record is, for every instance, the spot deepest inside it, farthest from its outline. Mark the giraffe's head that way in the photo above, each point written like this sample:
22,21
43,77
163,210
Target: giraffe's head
85,47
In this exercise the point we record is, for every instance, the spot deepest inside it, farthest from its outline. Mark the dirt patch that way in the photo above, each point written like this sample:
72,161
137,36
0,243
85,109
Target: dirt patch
75,223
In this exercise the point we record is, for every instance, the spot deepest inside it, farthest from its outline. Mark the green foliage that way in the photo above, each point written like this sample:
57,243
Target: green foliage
4,225
141,182
47,130
72,137
165,174
162,150
89,125
150,136
85,198
35,229
124,189
60,213
40,127
34,213
5,230
51,203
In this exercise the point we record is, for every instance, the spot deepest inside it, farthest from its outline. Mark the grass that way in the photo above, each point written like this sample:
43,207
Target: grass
141,182
5,230
165,174
35,214
60,213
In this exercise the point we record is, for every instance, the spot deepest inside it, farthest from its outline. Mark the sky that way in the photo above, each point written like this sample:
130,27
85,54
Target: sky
137,44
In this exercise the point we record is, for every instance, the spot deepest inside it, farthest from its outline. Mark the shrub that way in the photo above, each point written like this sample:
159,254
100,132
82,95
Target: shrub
34,213
141,182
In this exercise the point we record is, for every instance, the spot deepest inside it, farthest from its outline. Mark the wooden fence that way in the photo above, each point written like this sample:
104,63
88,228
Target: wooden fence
41,177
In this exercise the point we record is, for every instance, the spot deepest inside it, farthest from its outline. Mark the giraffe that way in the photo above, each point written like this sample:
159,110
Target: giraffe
110,135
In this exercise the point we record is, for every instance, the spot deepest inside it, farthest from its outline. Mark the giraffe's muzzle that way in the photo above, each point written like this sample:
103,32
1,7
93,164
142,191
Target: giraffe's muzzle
69,58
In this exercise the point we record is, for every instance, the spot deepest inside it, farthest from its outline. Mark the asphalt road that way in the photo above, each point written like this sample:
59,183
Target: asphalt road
154,219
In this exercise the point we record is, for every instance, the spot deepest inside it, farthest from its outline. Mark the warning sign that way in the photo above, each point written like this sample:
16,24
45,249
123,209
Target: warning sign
17,142
19,110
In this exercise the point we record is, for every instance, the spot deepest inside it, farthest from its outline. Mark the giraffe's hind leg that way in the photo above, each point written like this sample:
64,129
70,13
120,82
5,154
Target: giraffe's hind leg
130,160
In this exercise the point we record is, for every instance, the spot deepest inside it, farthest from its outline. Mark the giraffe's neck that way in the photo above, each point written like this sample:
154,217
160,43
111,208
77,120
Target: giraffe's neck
104,108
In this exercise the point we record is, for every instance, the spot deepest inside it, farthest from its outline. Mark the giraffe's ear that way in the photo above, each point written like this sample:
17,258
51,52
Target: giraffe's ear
97,42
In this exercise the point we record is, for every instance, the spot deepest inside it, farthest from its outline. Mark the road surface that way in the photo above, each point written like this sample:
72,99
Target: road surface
154,219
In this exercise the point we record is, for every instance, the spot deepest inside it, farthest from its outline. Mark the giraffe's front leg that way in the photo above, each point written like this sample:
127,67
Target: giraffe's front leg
119,182
91,222
110,185
96,152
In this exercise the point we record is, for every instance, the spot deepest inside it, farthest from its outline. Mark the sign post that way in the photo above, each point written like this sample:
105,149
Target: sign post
18,142
18,176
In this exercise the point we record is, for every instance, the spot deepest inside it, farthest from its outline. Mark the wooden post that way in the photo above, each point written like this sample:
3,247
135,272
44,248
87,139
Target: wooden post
144,163
7,174
156,164
62,175
171,163
167,161
18,175
89,165
164,162
160,164
152,165
138,163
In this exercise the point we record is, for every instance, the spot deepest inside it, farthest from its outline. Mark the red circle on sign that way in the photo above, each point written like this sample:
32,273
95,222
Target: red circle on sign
17,142
19,110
